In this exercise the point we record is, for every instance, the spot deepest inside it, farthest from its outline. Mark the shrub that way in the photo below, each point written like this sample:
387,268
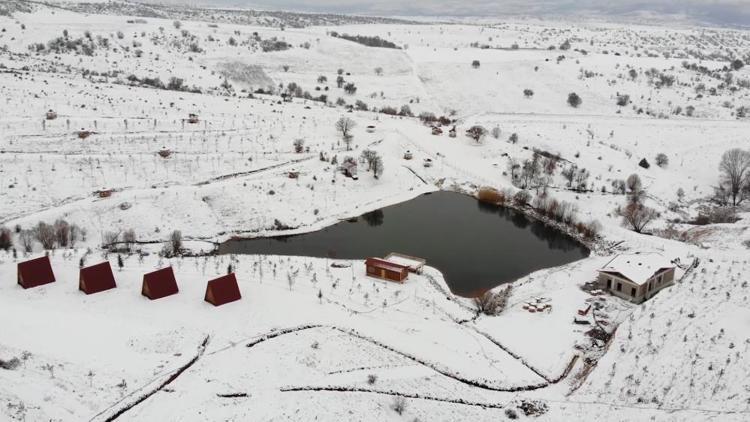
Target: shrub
405,111
360,105
623,100
366,40
399,405
350,88
521,198
493,303
62,233
45,234
574,100
129,238
26,238
644,163
490,195
661,159
175,241
6,238
528,93
475,64
299,145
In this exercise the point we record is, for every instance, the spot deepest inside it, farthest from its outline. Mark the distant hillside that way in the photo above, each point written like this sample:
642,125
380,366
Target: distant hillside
233,16
8,7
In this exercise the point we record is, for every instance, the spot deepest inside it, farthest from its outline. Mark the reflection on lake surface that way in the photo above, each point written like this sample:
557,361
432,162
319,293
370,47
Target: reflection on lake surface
476,246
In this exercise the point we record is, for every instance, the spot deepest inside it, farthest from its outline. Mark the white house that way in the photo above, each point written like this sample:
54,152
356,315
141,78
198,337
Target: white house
637,277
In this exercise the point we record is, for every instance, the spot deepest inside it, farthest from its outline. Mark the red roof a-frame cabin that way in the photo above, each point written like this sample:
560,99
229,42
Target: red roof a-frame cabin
96,278
159,284
223,290
35,272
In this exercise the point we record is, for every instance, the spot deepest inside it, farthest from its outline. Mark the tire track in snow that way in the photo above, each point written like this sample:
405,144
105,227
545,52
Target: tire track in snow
395,394
160,387
482,384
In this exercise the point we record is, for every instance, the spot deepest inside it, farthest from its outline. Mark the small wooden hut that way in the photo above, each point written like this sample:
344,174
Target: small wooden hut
223,290
104,193
386,270
193,118
165,152
96,278
35,272
51,115
160,283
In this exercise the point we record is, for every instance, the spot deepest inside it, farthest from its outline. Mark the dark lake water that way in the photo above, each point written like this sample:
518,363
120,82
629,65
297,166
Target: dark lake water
476,246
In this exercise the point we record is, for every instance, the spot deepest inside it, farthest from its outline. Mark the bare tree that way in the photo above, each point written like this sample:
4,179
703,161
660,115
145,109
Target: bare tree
635,188
735,174
377,167
345,126
6,238
491,303
637,216
661,159
26,237
175,240
477,133
62,233
129,238
399,404
45,234
110,238
369,157
299,145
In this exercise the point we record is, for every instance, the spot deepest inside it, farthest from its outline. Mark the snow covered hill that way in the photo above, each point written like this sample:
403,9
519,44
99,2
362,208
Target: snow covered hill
96,133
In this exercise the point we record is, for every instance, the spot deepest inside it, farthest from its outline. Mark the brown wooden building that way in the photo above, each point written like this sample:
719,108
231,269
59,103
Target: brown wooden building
35,272
96,278
380,268
223,290
159,284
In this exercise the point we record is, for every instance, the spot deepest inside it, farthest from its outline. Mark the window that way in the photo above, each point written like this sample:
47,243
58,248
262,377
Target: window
609,283
632,291
619,286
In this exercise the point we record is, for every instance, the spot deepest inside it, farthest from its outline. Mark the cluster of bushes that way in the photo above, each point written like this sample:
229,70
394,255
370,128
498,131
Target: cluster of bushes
493,303
366,40
174,84
659,79
562,212
296,91
405,111
716,215
274,44
62,45
59,234
429,118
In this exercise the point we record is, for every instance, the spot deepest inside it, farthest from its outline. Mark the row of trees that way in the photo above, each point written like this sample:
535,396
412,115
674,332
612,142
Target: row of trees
59,234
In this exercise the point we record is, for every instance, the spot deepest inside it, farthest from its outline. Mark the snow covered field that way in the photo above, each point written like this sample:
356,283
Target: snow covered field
310,341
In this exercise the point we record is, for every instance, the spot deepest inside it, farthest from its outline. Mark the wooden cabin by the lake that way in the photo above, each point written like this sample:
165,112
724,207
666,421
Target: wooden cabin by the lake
386,270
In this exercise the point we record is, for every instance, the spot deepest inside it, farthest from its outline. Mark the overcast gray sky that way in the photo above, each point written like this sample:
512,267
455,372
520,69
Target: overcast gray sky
735,12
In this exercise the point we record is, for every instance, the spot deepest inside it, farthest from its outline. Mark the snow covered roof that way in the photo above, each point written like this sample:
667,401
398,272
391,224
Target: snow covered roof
637,267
